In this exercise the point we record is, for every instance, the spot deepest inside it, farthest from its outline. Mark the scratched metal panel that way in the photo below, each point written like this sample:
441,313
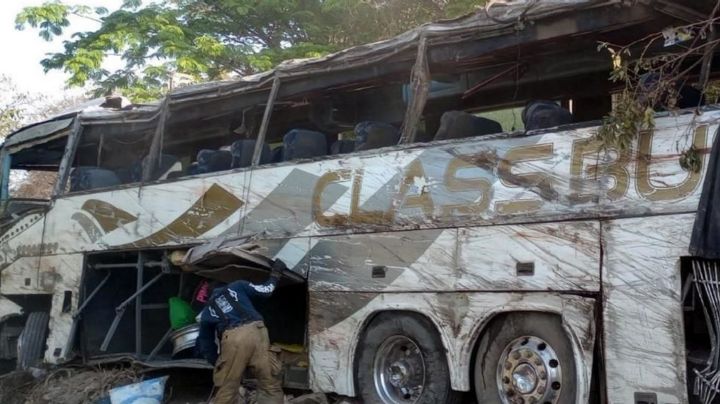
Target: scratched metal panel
164,214
643,323
565,256
21,277
60,273
337,320
420,260
544,177
22,239
293,252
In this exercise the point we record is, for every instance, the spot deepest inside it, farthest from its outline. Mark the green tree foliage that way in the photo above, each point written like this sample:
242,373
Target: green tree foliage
214,39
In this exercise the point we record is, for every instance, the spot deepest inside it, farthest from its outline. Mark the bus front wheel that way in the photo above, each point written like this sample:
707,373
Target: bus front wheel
402,360
525,358
31,343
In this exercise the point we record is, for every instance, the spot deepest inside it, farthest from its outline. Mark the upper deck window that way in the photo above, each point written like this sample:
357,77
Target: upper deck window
31,170
108,156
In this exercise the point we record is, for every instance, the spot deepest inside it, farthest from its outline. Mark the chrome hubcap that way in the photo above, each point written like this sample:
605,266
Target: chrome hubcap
399,370
529,372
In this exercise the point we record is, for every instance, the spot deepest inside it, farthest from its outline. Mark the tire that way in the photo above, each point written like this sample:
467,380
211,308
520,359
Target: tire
31,343
524,341
392,334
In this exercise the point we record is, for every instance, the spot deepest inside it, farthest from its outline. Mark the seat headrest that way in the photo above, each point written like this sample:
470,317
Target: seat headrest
304,144
542,114
460,124
342,147
374,135
166,164
242,152
276,154
214,160
87,178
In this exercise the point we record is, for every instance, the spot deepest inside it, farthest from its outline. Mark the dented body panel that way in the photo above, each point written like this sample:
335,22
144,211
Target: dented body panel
542,177
439,228
643,309
459,318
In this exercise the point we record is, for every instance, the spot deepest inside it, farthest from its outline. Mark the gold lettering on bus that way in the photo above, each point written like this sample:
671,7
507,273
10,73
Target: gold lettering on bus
415,174
320,217
539,182
581,177
455,184
671,192
359,216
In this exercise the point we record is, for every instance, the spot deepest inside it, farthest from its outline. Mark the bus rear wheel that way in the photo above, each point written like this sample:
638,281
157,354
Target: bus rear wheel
401,360
525,358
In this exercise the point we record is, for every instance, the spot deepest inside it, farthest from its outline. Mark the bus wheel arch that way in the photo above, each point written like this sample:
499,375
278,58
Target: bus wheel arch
401,342
524,353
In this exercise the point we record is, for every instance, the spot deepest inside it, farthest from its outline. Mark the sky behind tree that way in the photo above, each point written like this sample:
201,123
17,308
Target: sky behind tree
23,50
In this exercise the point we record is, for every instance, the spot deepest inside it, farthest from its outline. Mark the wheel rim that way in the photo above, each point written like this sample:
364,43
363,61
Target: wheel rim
399,370
529,372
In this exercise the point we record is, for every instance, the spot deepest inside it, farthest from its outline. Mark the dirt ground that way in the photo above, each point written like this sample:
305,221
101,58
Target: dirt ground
66,385
76,385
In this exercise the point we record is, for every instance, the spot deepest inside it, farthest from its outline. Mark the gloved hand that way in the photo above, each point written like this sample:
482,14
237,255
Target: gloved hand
277,269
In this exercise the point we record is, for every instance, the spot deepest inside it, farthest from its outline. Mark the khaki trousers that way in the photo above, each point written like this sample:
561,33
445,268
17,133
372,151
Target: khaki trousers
242,347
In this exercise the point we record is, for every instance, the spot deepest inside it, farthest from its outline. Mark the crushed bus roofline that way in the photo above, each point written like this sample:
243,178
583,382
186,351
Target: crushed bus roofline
449,220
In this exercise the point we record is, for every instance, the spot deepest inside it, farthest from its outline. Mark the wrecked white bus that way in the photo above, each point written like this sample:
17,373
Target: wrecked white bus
437,246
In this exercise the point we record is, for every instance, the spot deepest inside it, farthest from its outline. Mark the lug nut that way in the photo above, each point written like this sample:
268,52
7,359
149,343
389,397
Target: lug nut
516,355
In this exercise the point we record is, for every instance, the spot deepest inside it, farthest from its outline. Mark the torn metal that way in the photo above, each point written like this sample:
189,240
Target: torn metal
228,260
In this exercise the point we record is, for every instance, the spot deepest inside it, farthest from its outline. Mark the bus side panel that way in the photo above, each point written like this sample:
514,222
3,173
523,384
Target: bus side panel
21,277
61,276
337,320
643,323
548,256
20,249
421,260
173,213
561,256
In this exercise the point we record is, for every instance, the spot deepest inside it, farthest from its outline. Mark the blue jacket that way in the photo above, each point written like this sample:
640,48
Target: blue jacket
232,307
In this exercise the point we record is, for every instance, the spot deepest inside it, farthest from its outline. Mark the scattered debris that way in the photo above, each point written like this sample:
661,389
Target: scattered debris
315,398
79,385
15,386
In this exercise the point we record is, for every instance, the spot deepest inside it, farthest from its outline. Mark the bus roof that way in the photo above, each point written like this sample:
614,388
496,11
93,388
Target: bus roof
500,18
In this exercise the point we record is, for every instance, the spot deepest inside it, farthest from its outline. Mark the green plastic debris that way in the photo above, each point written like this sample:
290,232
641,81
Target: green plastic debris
181,314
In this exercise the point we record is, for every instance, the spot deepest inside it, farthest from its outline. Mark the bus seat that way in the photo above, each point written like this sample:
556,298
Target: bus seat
166,164
210,161
131,173
374,135
542,114
87,178
342,147
303,144
194,169
276,154
460,124
688,96
242,152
